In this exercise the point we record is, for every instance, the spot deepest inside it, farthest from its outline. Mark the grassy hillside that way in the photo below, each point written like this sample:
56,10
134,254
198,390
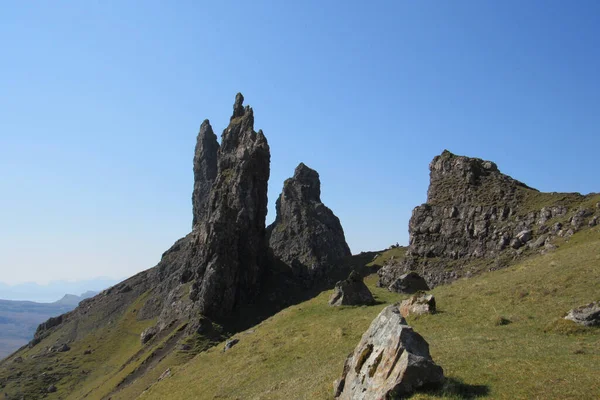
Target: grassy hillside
497,335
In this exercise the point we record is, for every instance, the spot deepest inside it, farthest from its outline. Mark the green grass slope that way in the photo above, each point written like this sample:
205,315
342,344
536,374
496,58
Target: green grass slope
498,335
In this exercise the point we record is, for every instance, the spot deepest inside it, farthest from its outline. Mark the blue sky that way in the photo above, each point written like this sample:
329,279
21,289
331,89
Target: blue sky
101,102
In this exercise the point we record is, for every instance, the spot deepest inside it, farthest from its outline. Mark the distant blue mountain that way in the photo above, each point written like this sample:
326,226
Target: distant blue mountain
53,291
19,319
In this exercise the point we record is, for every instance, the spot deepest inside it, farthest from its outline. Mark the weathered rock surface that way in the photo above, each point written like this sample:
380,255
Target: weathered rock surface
205,170
306,234
588,315
473,211
351,292
409,283
148,334
232,243
418,304
390,361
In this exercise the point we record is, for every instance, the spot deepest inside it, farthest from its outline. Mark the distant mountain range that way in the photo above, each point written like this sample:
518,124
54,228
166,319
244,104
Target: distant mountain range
19,319
53,291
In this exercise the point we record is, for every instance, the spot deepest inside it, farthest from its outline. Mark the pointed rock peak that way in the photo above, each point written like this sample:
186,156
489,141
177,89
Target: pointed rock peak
306,234
238,106
307,183
205,170
205,127
307,175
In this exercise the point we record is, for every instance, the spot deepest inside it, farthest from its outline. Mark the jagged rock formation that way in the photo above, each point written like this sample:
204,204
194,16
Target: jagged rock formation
232,243
306,234
351,292
205,170
473,211
206,275
588,315
390,361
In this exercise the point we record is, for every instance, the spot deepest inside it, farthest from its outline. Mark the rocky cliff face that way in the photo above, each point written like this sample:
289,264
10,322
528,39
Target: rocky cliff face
306,234
474,212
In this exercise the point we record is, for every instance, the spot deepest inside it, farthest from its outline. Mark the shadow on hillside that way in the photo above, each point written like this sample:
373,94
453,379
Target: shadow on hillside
281,289
457,389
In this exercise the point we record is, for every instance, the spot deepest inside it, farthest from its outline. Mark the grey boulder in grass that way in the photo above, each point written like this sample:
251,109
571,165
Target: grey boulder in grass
588,315
351,292
390,361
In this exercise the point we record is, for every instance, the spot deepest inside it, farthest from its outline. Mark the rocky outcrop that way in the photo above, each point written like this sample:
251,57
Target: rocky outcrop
390,361
230,248
306,234
474,211
205,170
588,315
351,292
418,304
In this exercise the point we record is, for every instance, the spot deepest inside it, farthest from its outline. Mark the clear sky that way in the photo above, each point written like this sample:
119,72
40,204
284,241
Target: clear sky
101,101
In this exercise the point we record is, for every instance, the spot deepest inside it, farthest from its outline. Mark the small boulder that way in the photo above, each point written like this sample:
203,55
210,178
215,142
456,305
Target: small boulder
524,236
51,389
351,292
390,361
87,352
418,304
124,288
63,348
556,228
588,315
409,283
593,222
230,343
148,334
539,242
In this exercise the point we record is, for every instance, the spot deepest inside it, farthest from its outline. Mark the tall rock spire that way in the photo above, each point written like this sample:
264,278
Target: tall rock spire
205,170
234,248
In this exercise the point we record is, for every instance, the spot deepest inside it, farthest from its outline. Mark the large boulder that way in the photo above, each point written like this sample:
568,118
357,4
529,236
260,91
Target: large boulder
306,234
390,361
588,315
351,292
418,304
409,283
